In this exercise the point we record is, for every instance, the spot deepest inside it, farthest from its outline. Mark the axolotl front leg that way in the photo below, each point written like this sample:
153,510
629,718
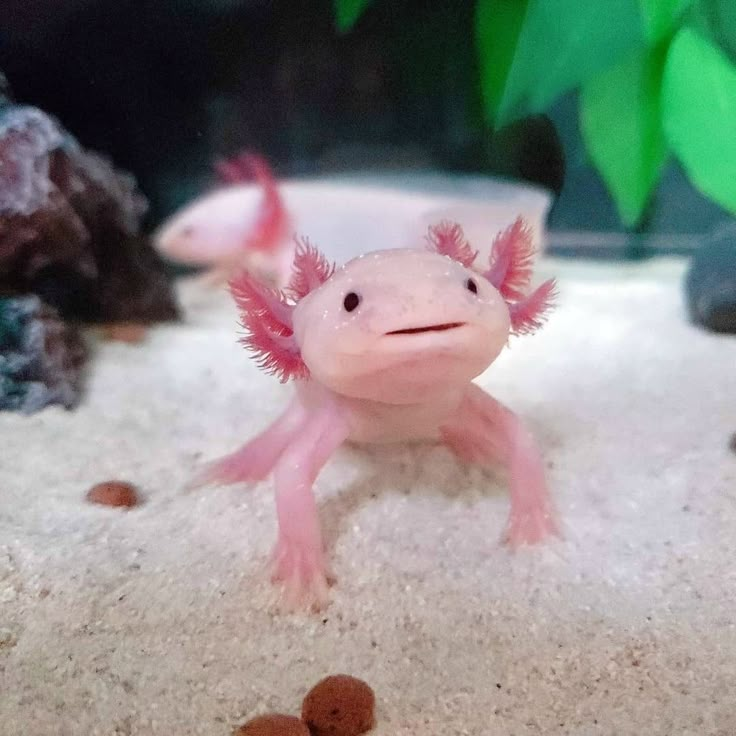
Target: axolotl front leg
295,448
486,432
299,558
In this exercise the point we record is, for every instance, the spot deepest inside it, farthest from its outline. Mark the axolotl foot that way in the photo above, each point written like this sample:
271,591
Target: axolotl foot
303,576
531,527
235,468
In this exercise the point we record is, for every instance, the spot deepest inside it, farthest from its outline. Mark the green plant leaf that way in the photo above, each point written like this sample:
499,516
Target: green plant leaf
661,16
621,126
699,114
497,29
719,21
347,13
532,51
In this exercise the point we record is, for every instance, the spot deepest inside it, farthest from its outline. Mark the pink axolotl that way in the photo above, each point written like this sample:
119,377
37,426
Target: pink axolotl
385,349
220,231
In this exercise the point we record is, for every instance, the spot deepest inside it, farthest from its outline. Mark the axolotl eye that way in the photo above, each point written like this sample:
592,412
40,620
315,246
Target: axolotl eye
351,301
470,285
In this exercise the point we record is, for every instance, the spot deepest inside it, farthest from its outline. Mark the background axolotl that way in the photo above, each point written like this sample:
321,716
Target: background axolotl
220,231
384,349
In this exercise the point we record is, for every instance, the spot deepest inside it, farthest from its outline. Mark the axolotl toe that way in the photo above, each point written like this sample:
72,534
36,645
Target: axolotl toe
385,349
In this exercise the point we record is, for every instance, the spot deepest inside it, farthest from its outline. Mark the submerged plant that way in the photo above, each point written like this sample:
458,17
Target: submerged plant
654,76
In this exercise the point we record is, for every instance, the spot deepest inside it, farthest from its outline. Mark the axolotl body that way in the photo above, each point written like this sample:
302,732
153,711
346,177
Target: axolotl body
385,349
228,230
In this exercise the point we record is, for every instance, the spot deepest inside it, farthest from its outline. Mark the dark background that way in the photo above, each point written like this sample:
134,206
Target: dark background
166,86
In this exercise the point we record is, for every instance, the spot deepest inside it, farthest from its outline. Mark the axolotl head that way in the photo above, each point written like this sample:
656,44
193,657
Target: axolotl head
237,224
210,230
395,325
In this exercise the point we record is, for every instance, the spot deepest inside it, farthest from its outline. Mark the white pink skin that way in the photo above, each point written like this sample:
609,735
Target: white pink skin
220,231
384,350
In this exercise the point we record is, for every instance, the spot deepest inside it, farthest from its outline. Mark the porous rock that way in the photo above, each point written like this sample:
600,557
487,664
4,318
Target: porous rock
70,226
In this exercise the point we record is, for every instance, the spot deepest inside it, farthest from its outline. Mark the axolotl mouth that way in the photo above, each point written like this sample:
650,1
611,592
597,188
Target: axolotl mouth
429,328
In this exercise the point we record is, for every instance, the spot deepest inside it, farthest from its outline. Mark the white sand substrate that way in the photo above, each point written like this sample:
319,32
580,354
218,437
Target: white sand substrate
159,620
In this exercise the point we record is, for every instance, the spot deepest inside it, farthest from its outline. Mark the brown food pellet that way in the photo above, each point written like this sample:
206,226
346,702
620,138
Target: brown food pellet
339,705
113,493
131,332
732,442
273,724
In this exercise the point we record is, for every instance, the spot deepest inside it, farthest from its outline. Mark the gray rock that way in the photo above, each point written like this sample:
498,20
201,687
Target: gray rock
710,284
